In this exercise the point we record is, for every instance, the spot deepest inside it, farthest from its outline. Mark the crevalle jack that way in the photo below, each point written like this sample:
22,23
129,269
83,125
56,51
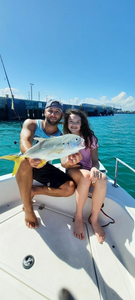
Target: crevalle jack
49,149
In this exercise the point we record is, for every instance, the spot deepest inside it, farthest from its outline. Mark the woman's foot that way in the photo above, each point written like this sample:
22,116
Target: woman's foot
98,230
78,229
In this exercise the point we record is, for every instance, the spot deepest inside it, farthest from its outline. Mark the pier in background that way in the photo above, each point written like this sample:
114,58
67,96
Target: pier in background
35,109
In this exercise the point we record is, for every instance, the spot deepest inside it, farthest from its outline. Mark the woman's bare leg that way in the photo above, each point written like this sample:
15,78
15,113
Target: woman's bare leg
98,196
82,179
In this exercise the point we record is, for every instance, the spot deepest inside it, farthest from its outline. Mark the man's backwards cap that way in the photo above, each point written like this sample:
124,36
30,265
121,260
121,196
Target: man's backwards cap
54,103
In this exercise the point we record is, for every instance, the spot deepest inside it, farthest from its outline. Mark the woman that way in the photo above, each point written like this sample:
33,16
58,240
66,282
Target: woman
86,174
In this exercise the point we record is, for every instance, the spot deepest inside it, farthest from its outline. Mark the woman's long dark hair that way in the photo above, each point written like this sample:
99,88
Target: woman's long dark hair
85,130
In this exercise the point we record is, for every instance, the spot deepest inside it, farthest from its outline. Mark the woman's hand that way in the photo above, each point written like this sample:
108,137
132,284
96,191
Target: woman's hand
95,175
74,159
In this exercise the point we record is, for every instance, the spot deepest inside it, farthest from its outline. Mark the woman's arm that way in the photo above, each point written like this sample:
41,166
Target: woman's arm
94,156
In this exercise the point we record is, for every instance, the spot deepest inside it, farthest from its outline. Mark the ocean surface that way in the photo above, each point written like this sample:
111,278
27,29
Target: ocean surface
116,138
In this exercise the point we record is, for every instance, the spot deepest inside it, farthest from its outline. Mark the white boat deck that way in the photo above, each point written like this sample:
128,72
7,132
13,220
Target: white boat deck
90,271
61,260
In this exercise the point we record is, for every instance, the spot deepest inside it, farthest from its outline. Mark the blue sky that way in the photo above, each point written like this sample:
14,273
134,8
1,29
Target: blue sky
74,50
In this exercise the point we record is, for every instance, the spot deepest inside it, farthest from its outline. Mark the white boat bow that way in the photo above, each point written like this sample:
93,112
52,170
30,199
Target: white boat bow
37,264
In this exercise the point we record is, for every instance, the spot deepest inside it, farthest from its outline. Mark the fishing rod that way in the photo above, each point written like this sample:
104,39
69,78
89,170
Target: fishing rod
12,96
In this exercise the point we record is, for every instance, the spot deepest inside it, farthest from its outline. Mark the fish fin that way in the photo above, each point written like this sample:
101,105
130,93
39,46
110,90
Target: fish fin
42,163
17,164
10,157
39,139
16,158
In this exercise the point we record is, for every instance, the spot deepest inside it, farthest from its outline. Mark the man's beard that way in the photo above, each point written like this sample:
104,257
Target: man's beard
53,122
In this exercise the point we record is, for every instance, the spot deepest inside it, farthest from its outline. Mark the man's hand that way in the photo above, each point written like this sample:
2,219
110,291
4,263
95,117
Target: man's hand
35,163
74,159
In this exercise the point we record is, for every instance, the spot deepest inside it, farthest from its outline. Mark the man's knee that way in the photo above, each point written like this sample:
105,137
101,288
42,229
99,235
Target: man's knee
69,188
24,168
25,164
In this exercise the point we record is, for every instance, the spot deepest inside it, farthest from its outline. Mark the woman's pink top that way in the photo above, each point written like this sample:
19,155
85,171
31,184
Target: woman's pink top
86,161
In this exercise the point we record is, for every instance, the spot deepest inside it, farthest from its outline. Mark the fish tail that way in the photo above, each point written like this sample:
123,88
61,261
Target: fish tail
10,157
16,166
16,158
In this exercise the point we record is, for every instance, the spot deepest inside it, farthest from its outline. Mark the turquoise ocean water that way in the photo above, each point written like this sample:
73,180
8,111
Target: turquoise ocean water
116,137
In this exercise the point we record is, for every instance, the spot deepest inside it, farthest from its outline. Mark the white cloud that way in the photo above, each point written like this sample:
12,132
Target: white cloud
121,101
92,101
120,97
126,103
103,98
74,101
6,91
48,97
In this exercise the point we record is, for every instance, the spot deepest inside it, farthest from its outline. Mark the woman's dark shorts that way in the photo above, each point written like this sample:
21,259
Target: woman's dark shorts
50,176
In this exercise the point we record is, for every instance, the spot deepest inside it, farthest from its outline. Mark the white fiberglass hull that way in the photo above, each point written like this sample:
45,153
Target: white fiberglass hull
87,269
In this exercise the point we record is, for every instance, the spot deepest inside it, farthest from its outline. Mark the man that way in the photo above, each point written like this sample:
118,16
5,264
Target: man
55,182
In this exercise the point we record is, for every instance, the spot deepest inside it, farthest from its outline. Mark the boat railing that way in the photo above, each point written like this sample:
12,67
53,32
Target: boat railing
116,170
